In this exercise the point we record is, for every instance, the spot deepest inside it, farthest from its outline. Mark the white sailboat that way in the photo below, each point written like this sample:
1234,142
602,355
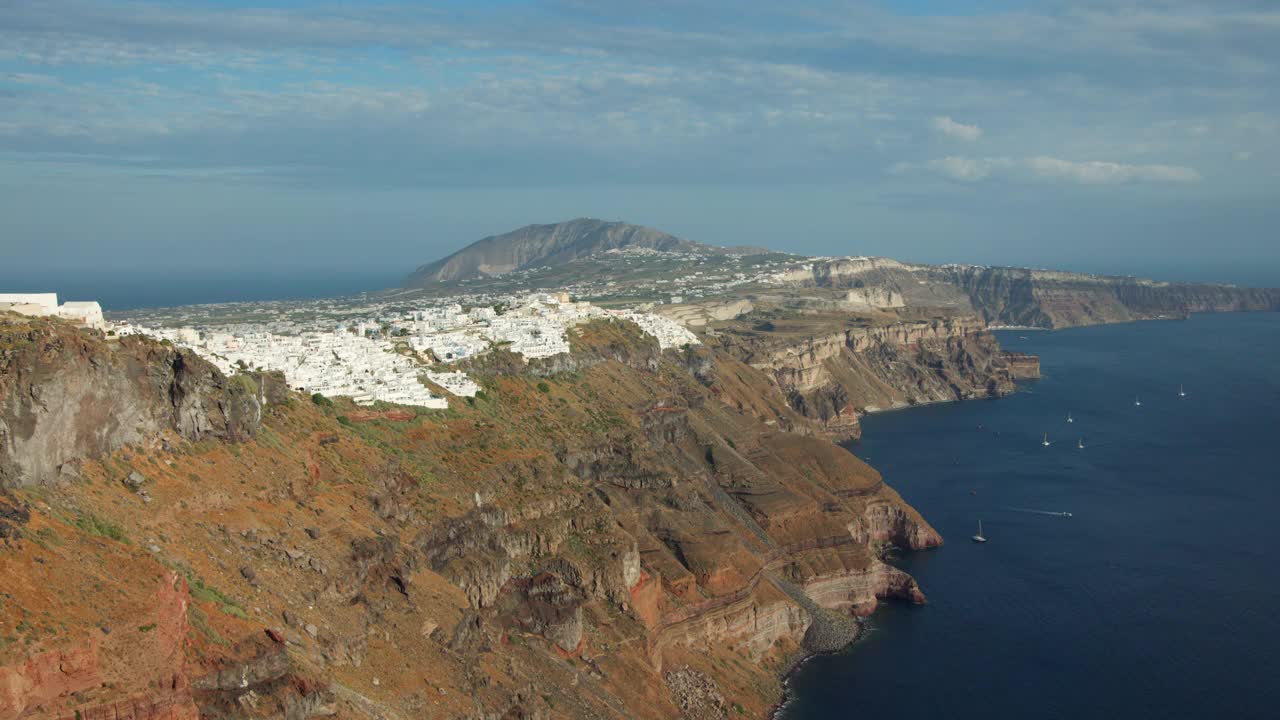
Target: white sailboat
1069,418
1137,401
979,538
1181,392
1045,441
1080,443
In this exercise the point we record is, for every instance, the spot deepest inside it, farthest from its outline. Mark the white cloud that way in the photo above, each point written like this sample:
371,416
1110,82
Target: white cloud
1098,172
1043,167
968,169
675,95
945,125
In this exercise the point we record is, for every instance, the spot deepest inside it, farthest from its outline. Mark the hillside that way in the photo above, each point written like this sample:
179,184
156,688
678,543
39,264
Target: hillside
573,255
537,245
617,532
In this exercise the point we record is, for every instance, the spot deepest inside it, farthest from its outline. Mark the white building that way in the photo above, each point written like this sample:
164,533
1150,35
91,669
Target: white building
87,313
47,302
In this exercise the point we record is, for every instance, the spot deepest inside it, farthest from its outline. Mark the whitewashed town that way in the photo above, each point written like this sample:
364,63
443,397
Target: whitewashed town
397,346
379,358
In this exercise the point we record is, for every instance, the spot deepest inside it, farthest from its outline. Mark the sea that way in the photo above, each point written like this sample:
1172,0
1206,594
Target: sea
121,290
1158,597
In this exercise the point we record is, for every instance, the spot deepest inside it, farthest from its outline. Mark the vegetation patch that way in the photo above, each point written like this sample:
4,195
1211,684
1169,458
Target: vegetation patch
246,381
101,527
200,622
208,593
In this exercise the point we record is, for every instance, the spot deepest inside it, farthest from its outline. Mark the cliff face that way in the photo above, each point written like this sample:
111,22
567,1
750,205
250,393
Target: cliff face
563,546
835,376
1029,298
1014,296
1022,366
67,395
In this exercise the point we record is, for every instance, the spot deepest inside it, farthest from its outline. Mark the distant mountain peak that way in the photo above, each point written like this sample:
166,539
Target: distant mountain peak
537,245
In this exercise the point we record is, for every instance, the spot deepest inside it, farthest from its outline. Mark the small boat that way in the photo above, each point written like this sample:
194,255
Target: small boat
979,538
1069,418
1137,401
1080,443
1045,441
1181,392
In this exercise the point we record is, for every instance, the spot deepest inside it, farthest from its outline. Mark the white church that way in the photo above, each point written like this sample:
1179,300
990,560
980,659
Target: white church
88,314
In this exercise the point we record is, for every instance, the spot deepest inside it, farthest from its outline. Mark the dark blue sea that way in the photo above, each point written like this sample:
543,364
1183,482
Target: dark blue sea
1158,598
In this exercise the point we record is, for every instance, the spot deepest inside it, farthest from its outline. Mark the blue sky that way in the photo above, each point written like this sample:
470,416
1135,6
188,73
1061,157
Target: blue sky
1125,135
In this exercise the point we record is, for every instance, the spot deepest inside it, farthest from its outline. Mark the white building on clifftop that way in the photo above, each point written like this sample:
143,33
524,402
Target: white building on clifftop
87,313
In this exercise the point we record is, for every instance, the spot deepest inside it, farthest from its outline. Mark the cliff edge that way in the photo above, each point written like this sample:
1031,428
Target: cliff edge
611,533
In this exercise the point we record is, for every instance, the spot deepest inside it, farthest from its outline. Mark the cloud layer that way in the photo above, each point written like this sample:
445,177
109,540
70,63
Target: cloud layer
958,130
895,109
1043,167
773,91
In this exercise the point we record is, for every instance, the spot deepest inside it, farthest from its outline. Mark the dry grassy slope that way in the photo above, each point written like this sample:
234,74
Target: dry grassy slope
553,548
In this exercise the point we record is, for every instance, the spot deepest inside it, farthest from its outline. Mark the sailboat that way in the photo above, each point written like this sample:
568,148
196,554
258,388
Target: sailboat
979,538
1045,441
1069,419
1181,392
1080,443
1137,401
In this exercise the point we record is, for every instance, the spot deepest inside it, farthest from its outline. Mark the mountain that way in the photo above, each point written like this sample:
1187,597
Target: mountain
572,254
538,245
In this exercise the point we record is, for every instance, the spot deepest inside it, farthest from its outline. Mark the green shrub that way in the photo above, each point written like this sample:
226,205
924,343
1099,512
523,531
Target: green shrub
321,400
543,387
200,622
247,382
95,525
207,593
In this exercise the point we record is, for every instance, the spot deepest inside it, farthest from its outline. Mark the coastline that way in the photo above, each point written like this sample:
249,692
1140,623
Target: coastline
876,410
1045,566
797,661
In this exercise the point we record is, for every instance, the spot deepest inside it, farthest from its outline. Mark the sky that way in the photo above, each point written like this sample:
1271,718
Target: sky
200,138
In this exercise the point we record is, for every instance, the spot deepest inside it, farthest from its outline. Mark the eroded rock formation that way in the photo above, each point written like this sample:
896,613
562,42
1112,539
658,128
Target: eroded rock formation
553,551
66,395
835,376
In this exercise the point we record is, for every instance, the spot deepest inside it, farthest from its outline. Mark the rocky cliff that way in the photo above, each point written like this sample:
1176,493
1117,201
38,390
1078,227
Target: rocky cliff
67,395
1030,298
619,532
832,374
1015,296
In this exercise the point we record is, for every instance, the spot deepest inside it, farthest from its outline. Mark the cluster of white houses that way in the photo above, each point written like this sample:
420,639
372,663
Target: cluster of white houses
372,362
88,314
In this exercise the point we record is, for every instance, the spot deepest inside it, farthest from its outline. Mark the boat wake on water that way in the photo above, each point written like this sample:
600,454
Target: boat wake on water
1040,512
